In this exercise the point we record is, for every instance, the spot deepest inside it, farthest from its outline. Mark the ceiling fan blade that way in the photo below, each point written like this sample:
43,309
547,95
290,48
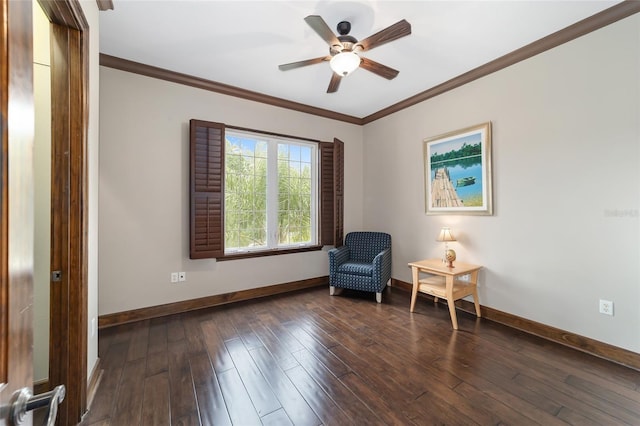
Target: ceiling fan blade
292,65
319,26
334,83
378,68
398,30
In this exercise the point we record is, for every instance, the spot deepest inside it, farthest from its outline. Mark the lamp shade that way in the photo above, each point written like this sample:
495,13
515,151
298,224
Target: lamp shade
445,235
344,63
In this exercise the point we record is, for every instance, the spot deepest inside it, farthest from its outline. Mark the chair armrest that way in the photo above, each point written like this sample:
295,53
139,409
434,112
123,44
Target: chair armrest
382,266
337,256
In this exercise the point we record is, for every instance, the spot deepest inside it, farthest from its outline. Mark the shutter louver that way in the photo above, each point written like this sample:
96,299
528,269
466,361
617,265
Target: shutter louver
207,143
327,223
338,188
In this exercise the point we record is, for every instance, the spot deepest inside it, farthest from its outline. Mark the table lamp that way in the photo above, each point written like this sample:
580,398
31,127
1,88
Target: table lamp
449,255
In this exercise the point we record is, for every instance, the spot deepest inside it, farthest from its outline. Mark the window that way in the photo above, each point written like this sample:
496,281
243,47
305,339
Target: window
254,193
270,192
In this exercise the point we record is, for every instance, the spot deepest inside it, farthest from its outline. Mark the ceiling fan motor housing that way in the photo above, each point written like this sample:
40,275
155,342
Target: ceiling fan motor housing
347,42
343,27
345,46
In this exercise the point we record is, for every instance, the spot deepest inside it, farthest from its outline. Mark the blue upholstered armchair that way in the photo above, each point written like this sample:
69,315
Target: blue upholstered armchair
362,263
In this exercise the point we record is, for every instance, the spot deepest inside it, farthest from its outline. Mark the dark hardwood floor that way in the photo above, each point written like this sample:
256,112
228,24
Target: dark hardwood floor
306,358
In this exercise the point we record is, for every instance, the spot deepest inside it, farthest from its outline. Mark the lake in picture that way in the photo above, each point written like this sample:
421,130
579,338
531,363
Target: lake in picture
461,157
471,195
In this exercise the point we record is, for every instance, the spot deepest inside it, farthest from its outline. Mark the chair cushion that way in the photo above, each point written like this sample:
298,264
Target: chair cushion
356,268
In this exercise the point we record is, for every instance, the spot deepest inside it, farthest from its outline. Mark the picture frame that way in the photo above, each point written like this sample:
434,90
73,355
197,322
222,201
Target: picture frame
457,172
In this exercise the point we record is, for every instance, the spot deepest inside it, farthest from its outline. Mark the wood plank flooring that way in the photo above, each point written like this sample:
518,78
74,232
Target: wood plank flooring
306,358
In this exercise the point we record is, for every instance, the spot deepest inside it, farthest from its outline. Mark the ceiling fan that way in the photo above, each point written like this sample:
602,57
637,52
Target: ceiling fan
343,50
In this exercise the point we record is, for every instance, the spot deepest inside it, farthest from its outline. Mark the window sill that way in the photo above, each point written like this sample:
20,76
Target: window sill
262,253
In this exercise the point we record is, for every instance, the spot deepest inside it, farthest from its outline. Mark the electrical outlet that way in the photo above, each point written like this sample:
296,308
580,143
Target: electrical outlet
606,307
174,277
464,277
182,276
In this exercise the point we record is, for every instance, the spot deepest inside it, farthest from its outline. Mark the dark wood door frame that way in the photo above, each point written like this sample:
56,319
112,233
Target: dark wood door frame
69,128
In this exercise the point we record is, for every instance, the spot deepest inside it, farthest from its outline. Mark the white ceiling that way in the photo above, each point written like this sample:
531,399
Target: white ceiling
241,43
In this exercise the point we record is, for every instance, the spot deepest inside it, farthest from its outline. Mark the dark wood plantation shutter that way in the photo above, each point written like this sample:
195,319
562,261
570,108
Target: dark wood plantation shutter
326,193
331,193
338,189
207,189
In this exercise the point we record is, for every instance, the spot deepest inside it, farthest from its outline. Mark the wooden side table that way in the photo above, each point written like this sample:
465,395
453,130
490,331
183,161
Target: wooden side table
443,282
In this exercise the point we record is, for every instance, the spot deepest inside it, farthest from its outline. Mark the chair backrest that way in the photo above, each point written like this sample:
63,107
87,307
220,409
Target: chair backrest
364,246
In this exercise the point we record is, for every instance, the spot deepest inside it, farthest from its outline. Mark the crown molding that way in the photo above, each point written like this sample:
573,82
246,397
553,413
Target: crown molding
225,89
606,17
580,28
105,5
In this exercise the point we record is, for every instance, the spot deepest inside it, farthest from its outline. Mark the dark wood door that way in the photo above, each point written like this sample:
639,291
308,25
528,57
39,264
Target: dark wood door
69,82
16,201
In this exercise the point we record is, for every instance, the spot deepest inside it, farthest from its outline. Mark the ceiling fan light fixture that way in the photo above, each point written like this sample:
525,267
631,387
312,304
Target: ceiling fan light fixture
344,63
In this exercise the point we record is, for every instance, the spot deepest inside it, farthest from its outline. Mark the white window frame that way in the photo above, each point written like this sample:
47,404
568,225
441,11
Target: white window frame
272,231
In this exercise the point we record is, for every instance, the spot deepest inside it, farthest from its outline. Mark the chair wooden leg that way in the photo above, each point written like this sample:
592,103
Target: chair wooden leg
379,297
332,290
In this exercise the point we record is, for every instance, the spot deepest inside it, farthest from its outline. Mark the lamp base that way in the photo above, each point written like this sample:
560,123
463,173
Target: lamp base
450,256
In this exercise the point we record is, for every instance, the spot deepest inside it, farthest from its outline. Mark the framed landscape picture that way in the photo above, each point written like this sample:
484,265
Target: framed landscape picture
457,170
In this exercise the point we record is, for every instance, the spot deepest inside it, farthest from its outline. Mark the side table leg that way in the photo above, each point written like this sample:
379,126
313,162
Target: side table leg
451,302
414,290
476,303
476,300
452,312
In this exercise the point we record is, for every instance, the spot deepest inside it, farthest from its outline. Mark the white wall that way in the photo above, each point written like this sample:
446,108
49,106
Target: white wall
144,191
565,230
566,185
42,192
90,10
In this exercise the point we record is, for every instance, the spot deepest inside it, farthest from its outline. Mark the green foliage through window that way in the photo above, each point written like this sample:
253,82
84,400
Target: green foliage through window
248,210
